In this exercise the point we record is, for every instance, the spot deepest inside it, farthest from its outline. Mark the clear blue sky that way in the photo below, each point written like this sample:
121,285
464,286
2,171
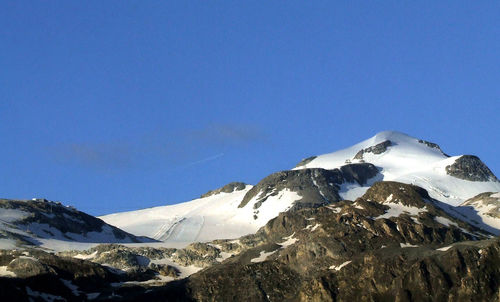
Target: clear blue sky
120,105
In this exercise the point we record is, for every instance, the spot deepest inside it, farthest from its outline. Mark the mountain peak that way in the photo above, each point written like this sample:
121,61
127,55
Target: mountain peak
403,158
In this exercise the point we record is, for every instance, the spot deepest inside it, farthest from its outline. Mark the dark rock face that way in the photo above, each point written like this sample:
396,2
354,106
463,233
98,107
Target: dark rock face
305,161
359,173
470,167
432,145
377,149
316,186
229,188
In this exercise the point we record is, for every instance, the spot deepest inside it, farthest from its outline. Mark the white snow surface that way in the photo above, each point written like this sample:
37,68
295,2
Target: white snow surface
444,249
406,161
203,219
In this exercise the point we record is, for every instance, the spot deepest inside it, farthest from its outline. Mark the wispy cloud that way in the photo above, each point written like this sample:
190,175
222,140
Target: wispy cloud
201,161
101,156
162,149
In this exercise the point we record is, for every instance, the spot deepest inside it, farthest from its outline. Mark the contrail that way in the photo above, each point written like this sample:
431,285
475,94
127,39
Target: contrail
205,159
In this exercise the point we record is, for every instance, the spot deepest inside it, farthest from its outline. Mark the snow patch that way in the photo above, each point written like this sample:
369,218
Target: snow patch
71,286
444,249
339,267
92,296
317,225
397,209
262,257
85,257
405,245
44,296
288,241
445,221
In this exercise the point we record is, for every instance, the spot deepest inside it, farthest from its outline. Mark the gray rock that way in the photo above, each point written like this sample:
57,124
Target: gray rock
229,188
316,186
432,145
376,149
470,167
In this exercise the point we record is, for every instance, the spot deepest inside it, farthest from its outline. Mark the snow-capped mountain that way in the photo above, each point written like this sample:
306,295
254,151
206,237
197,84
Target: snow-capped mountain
399,157
390,218
237,210
53,225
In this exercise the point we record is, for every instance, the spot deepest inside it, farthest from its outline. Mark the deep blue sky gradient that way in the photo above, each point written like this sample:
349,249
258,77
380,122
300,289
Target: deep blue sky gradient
120,105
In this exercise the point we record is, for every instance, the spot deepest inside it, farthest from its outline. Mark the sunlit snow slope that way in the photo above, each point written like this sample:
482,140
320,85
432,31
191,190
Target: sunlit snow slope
203,219
408,160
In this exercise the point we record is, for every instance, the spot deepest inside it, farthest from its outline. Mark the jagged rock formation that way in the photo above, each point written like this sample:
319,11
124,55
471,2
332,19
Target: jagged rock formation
229,188
470,167
377,149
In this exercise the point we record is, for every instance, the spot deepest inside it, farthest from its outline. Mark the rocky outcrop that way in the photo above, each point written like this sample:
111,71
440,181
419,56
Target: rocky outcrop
305,161
470,167
433,146
376,149
316,186
229,188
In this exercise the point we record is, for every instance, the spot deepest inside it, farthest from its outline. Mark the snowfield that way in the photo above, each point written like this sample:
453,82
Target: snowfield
203,219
